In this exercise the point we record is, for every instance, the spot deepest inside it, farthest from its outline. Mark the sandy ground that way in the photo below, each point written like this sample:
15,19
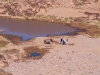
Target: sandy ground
82,58
65,11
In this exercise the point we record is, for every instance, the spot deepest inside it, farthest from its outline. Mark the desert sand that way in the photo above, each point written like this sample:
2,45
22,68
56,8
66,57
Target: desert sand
80,58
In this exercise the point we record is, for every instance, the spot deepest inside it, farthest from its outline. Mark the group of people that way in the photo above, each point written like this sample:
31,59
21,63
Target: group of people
48,41
62,41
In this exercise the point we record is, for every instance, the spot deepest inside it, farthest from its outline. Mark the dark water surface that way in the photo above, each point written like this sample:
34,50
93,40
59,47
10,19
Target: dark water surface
35,54
28,29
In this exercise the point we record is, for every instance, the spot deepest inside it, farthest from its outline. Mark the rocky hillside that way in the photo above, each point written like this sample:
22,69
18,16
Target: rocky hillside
29,8
25,8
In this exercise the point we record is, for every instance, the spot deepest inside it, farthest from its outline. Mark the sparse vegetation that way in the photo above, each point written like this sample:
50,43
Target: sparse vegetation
96,36
80,8
92,23
26,17
66,19
98,23
71,18
88,21
3,43
52,18
40,16
3,52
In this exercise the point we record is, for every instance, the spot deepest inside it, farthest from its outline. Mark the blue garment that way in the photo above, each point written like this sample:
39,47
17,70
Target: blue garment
63,42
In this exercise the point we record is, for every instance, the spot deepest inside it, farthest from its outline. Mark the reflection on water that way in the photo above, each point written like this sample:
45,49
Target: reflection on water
29,29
